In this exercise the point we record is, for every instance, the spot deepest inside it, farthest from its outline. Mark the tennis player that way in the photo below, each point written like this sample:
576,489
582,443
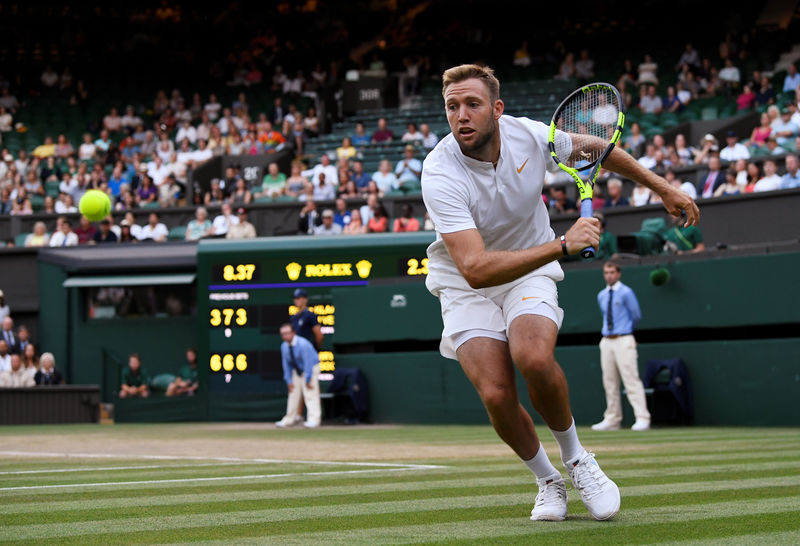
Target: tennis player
494,267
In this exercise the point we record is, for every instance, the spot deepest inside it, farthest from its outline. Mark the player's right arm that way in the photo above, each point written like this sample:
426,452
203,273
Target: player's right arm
482,268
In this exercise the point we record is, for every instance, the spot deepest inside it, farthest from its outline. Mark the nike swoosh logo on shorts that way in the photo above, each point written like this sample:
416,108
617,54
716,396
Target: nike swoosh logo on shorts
525,298
519,171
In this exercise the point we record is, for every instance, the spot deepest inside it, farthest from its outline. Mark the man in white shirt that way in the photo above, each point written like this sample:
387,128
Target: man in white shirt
186,131
154,230
494,266
324,166
734,150
429,140
5,356
792,79
771,181
730,74
130,120
202,153
224,221
64,236
328,226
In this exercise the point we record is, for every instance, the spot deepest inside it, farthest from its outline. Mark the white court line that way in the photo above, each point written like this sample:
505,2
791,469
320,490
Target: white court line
222,459
373,467
104,468
220,478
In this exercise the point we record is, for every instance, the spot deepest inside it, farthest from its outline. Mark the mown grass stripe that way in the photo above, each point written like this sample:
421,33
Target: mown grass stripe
116,526
627,527
777,539
324,494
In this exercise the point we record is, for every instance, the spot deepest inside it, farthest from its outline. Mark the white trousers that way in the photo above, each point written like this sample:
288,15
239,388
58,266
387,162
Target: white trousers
308,394
619,361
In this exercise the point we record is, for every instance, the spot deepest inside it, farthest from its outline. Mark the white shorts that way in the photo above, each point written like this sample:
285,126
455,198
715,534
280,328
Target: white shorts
488,312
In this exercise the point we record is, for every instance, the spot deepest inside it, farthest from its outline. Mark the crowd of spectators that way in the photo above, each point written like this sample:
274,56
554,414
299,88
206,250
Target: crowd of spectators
22,364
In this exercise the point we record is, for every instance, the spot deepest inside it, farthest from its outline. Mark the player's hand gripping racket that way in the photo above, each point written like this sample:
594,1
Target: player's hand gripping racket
585,128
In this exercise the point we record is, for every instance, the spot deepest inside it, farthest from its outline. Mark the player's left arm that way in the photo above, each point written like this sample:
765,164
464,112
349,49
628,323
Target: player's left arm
674,200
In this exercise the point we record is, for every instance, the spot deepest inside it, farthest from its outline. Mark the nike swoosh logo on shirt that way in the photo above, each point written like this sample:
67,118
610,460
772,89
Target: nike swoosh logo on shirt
526,298
519,170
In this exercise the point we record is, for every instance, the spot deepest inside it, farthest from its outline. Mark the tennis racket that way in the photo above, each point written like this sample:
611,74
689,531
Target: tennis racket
585,128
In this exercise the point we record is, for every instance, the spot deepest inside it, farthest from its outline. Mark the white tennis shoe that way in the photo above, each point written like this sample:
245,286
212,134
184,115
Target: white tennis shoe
605,425
551,501
641,425
598,492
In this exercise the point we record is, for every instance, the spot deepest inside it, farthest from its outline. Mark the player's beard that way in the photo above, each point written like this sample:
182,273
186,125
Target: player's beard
483,137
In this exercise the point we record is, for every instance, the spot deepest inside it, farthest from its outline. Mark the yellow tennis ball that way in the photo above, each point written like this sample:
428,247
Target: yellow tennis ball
95,205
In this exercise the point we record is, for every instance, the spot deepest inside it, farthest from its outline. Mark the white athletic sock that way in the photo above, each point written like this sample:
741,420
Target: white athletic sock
568,443
541,465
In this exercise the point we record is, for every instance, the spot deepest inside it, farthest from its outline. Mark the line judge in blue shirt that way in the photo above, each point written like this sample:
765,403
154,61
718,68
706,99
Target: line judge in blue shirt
301,373
618,356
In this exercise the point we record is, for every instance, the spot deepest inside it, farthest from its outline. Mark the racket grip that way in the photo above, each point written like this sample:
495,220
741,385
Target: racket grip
586,212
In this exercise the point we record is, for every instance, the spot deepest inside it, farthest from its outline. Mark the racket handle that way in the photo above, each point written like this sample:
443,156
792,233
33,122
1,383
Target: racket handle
586,212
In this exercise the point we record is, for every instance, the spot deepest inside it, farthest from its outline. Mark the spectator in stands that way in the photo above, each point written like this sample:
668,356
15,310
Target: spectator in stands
360,139
102,145
63,148
16,376
348,191
412,136
650,103
49,78
125,234
341,215
648,71
324,166
346,150
709,181
408,170
566,70
734,150
65,236
309,218
747,99
521,56
296,183
301,374
559,202
273,184
5,356
328,226
792,79
730,75
383,135
104,234
640,195
689,58
635,141
771,181
741,173
147,192
683,240
784,130
8,335
186,382
765,93
112,122
730,187
355,226
753,176
429,139
135,379
149,145
614,191
241,194
200,226
47,373
224,220
130,121
30,359
85,231
6,202
45,150
311,123
584,67
212,108
648,160
154,230
243,229
324,191
671,102
684,152
759,135
791,179
8,100
773,148
379,223
358,176
684,94
384,178
136,230
708,148
406,220
792,106
39,236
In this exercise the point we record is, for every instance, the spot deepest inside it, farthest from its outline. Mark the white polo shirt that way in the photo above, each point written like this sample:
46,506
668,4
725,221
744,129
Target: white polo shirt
504,204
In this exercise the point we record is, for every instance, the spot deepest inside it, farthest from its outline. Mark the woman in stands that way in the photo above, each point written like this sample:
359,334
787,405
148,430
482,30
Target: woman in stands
379,223
759,136
147,192
30,360
730,187
685,153
355,226
39,237
753,176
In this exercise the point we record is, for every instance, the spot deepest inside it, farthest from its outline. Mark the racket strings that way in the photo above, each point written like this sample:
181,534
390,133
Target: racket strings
591,119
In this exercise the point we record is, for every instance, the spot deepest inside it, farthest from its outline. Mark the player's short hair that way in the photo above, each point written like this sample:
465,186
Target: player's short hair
612,263
466,71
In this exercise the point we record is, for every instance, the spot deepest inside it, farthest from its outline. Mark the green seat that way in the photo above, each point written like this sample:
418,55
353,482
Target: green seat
151,205
177,233
19,239
709,113
37,202
51,188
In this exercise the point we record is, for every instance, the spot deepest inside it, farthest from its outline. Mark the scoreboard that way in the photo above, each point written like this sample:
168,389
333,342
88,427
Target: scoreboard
245,290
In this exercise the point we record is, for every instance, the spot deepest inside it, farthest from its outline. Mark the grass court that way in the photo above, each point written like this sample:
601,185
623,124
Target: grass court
251,483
